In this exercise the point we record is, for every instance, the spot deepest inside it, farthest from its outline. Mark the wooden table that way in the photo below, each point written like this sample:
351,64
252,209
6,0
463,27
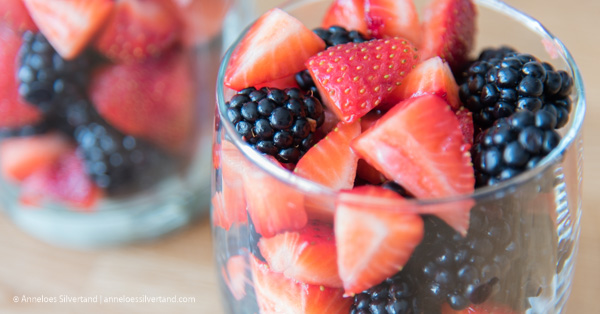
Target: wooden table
182,264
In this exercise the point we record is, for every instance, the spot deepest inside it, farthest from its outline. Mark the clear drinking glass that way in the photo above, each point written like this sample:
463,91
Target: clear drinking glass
540,210
136,120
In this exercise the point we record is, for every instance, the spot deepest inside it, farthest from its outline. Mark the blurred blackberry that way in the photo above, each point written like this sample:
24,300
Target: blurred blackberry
397,294
45,78
503,81
513,145
27,130
276,122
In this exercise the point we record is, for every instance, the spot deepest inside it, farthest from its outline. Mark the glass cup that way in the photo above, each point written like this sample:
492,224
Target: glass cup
108,142
533,218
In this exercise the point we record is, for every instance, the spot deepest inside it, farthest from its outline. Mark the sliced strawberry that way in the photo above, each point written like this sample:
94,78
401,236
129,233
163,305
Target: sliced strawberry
229,205
65,181
479,309
373,242
14,111
276,46
273,206
393,18
276,293
331,162
153,100
282,83
235,276
69,25
355,78
202,19
331,120
139,29
465,119
22,156
349,14
16,16
432,76
307,255
449,31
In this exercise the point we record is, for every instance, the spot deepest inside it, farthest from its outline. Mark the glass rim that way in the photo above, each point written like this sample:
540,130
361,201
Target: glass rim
308,186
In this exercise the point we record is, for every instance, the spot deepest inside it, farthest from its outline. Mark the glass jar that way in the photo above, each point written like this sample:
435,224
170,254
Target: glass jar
533,218
107,117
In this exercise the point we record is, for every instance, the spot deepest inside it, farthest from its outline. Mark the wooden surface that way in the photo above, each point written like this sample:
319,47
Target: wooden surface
182,265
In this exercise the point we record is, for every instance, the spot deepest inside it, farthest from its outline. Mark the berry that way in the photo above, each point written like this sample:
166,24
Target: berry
202,19
16,16
346,13
465,118
235,275
513,145
277,122
266,53
69,25
397,294
449,31
391,18
354,78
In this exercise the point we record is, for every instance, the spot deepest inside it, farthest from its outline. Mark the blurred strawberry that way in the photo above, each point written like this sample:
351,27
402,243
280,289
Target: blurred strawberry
202,19
15,15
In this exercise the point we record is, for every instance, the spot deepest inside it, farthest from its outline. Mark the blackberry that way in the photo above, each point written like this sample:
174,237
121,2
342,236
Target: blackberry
513,145
501,82
276,122
27,130
397,294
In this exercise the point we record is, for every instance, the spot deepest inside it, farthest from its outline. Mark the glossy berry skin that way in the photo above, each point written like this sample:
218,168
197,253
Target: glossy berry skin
276,122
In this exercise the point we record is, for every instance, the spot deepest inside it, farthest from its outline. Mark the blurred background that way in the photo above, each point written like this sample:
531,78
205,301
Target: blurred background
182,265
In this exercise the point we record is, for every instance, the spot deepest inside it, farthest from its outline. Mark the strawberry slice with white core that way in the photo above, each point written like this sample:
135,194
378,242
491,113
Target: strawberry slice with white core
355,78
349,14
235,276
307,255
276,46
331,162
391,18
373,242
69,25
275,293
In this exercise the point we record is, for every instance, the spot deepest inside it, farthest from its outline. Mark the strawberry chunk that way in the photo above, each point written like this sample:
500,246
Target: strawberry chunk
276,46
235,276
22,156
373,242
465,119
14,111
272,205
153,100
69,25
202,19
139,29
282,83
349,14
479,309
276,293
331,162
449,31
16,16
229,205
355,78
393,18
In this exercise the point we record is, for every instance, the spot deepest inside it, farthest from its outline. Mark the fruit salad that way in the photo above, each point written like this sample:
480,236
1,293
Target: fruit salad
379,161
106,106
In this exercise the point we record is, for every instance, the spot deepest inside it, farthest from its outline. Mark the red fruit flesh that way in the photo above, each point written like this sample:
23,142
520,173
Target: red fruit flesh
273,206
355,78
235,276
479,309
276,46
202,19
16,16
349,14
465,118
69,25
14,111
282,83
307,255
331,162
22,156
276,293
449,31
153,100
229,205
373,242
393,18
139,29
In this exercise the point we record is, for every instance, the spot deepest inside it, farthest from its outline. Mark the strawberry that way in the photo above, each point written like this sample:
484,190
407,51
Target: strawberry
139,29
22,156
349,14
465,118
16,16
64,180
276,46
282,83
432,76
272,205
331,162
393,18
307,255
449,31
152,100
373,242
354,78
479,309
229,205
235,276
276,293
202,19
14,111
69,25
